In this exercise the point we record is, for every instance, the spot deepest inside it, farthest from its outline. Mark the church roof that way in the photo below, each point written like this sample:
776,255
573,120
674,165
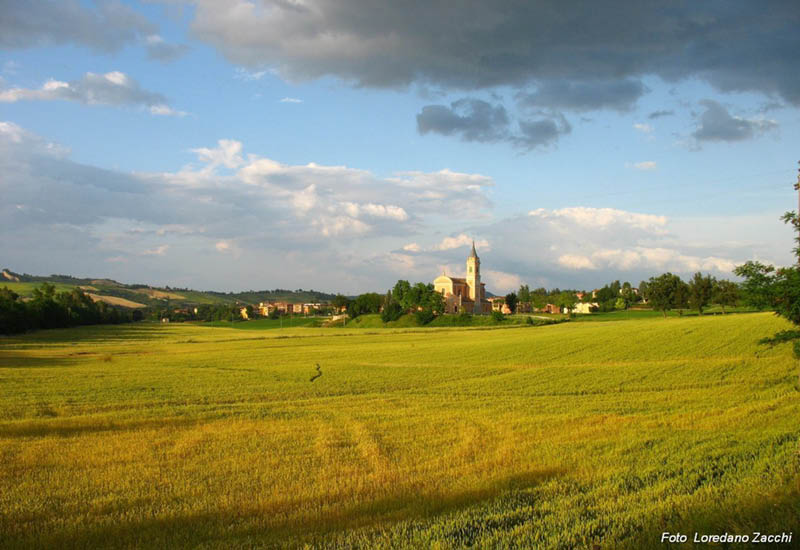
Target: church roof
473,254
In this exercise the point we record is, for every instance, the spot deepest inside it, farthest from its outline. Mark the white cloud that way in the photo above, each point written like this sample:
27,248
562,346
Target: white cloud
646,165
501,282
228,153
449,243
165,110
576,261
112,88
412,247
644,128
243,74
602,218
158,251
291,100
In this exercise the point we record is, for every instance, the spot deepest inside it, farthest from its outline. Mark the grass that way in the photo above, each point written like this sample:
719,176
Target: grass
654,314
26,289
562,436
268,324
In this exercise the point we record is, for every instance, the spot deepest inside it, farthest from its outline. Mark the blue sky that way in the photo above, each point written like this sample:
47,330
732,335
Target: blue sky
343,145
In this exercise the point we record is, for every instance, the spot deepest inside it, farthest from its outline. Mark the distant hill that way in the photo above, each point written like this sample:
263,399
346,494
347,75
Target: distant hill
140,295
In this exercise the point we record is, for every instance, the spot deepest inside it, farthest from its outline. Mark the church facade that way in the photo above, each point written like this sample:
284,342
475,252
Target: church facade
465,294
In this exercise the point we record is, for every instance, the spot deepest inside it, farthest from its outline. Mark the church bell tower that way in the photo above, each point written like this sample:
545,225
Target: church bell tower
474,279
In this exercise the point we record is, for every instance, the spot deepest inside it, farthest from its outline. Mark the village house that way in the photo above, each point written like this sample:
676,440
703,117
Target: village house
585,307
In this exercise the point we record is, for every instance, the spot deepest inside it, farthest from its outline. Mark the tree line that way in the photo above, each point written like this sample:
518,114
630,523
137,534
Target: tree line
419,299
50,309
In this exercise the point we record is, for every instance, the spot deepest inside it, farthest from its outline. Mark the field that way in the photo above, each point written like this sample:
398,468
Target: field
563,436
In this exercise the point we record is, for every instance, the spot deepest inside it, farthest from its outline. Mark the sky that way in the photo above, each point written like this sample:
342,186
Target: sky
342,145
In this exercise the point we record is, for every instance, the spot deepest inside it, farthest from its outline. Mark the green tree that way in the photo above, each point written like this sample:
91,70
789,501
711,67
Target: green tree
664,292
369,302
786,294
643,291
391,310
681,296
401,292
701,290
627,294
524,294
758,288
726,293
566,299
511,301
339,301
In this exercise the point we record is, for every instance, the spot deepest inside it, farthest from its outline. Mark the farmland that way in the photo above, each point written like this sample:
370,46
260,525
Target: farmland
561,436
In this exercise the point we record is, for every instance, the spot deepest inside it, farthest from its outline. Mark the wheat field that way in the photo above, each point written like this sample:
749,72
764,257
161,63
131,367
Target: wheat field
578,435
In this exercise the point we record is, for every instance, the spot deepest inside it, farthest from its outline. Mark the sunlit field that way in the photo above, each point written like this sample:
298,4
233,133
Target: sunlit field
563,436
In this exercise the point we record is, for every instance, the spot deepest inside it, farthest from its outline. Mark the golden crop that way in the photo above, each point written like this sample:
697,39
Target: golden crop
563,436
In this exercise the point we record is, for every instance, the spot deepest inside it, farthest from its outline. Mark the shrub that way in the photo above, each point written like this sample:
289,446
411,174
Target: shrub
424,316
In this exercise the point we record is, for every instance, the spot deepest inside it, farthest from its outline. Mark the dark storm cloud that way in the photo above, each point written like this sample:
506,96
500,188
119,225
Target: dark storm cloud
544,131
107,27
618,95
477,120
472,119
733,46
658,114
717,124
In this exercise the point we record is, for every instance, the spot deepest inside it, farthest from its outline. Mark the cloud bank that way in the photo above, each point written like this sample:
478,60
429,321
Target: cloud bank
575,57
237,220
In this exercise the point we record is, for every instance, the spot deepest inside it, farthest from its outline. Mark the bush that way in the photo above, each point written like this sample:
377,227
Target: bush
392,311
424,316
498,317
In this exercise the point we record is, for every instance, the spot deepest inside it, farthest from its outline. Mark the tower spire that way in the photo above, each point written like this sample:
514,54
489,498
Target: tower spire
474,253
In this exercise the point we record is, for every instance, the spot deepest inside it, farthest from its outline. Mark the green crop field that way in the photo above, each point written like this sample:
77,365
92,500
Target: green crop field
577,435
26,289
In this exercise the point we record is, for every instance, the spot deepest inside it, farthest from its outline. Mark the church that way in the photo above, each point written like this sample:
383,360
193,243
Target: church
465,295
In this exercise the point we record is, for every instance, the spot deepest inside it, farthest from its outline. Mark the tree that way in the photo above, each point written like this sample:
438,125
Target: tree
627,294
643,291
681,296
566,299
662,291
726,293
401,291
787,294
339,301
511,301
365,303
524,294
701,289
758,288
392,310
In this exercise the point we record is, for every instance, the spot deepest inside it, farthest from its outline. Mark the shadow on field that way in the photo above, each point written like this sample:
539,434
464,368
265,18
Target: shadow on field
769,514
13,360
271,525
69,426
94,334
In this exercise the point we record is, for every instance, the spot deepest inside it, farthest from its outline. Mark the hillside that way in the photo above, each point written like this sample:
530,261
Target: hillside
141,295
